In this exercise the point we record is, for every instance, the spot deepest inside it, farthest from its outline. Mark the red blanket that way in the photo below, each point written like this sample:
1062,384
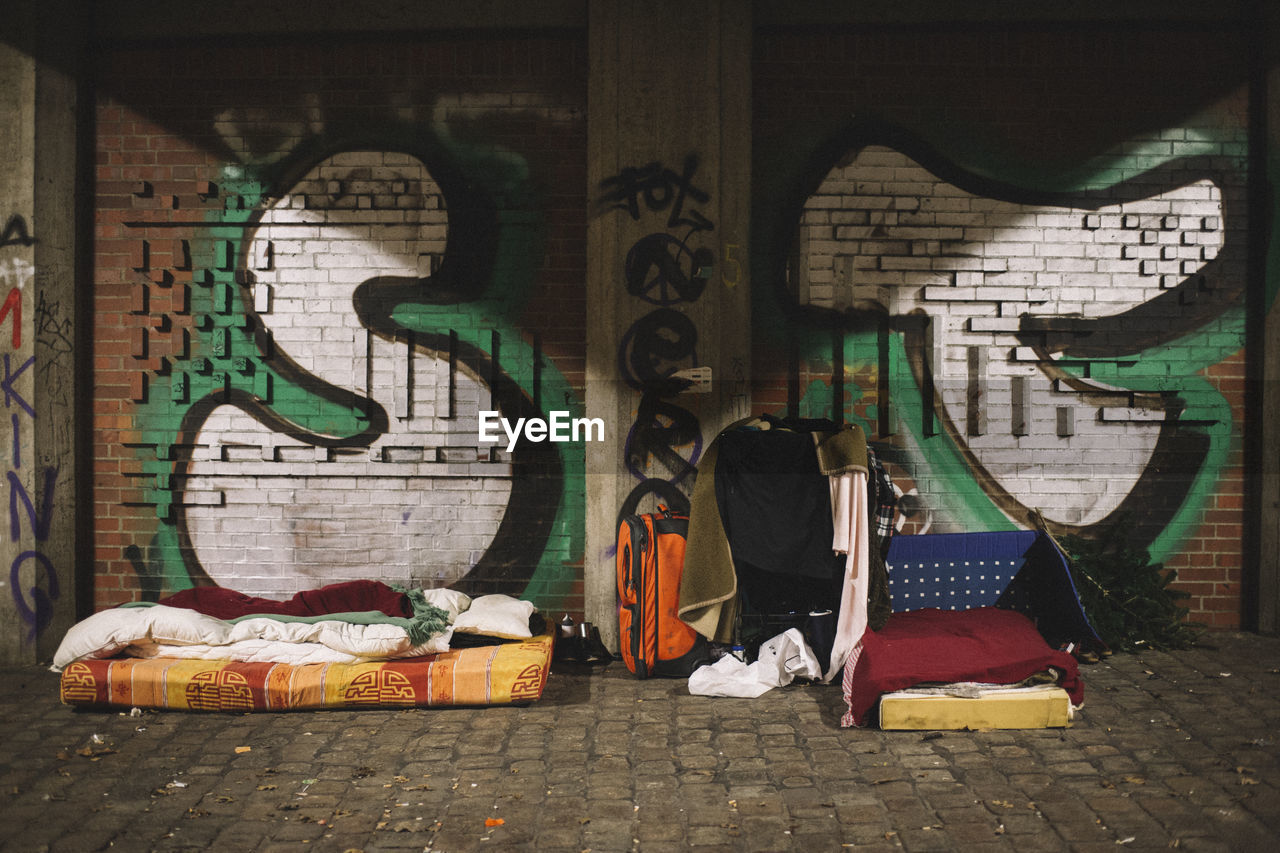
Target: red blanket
358,596
985,644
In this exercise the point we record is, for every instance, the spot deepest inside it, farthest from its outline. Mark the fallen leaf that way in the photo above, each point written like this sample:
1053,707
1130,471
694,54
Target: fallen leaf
494,821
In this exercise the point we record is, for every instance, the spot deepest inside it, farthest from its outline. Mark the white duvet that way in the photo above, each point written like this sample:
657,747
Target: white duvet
161,631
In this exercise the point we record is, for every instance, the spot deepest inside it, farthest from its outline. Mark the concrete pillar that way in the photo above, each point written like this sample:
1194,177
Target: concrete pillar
669,126
1265,279
38,271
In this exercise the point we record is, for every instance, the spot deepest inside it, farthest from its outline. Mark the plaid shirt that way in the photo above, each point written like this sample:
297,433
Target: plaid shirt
883,502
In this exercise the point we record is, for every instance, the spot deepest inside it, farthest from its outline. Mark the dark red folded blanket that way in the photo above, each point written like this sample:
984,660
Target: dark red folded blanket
361,595
986,644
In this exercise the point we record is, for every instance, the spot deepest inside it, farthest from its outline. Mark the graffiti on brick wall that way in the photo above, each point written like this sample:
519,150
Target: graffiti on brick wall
33,577
1029,349
313,355
662,269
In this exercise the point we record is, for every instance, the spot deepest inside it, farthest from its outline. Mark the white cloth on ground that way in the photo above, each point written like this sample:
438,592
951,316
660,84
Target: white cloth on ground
780,661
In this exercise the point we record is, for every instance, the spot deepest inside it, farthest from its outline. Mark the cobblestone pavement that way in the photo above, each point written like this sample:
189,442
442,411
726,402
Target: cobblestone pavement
1171,750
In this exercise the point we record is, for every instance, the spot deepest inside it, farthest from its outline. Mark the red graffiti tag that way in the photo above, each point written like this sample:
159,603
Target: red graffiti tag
13,302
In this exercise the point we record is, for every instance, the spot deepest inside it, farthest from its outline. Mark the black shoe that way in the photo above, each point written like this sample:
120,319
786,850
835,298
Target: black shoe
594,648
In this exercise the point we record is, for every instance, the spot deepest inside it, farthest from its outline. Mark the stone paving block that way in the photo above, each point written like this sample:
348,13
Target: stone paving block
924,839
608,836
655,831
863,814
1186,758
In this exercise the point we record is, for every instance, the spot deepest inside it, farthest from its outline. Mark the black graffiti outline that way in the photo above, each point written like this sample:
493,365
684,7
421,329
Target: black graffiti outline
53,330
668,494
1093,337
649,436
537,469
663,255
1099,337
15,233
150,572
663,337
660,187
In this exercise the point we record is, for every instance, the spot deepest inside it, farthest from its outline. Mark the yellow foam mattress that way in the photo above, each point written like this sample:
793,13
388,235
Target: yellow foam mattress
1025,708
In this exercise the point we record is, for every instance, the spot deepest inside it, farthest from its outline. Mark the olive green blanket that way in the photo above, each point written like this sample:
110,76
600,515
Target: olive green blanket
709,587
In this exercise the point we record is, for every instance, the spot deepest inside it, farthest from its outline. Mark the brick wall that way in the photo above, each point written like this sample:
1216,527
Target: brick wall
314,266
1032,247
1014,256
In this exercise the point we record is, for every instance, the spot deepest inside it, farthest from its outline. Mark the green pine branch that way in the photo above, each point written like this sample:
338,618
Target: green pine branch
1128,598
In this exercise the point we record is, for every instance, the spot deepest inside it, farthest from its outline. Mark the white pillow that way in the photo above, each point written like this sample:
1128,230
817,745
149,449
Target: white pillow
449,600
107,632
183,626
496,616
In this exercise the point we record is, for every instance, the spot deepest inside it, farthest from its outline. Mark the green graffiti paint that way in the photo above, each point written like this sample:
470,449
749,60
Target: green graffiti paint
1206,405
223,354
1175,368
935,458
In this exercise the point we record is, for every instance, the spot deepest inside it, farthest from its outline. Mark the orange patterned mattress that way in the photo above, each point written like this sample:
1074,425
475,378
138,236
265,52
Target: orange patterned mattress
483,675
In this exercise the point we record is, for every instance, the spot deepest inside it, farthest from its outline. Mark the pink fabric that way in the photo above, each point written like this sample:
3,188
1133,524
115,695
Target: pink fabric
846,683
852,537
986,644
362,595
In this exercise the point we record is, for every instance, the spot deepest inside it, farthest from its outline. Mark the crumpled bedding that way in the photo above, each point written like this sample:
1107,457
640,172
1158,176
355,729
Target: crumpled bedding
164,631
358,595
349,622
985,644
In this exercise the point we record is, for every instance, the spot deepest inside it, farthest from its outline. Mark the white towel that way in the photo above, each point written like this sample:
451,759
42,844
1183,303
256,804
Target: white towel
852,538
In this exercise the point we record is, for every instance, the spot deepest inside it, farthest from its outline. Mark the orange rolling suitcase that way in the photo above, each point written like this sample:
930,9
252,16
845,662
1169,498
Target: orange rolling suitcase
650,562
